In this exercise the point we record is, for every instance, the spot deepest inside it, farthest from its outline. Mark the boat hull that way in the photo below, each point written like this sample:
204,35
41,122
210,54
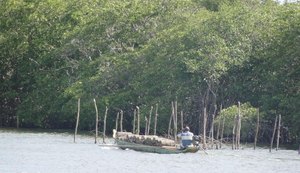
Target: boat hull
154,149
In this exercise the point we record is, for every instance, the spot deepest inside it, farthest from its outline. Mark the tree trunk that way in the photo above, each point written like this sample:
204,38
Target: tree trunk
77,120
96,124
257,128
104,126
274,130
278,131
155,119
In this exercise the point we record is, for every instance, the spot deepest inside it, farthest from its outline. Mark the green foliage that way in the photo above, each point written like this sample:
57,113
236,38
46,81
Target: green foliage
139,53
248,120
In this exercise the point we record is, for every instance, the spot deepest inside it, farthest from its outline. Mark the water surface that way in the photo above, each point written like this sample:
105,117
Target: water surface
56,153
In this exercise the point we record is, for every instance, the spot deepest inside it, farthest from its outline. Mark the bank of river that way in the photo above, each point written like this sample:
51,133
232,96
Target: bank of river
45,152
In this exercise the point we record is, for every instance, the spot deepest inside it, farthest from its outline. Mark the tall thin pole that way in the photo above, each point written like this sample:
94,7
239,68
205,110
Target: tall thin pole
138,120
239,126
134,120
181,119
257,128
234,133
174,108
149,121
96,124
278,131
155,119
117,121
222,131
104,126
77,121
274,130
121,121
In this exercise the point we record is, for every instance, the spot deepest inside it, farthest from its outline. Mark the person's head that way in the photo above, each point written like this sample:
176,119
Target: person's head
186,129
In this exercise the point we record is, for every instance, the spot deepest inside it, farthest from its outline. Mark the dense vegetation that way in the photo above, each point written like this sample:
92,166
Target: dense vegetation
200,53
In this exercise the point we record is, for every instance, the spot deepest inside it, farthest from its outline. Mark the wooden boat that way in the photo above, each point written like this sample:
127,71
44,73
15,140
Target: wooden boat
150,143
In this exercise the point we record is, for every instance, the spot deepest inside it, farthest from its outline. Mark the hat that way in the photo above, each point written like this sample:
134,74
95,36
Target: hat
186,129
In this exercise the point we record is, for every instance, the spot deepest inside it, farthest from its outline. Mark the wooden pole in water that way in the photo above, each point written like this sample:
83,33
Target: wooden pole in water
278,131
134,120
222,132
274,130
155,119
117,121
17,121
257,128
218,134
96,124
104,126
204,127
77,120
146,125
212,127
239,126
181,119
138,120
174,106
234,133
121,121
170,123
149,121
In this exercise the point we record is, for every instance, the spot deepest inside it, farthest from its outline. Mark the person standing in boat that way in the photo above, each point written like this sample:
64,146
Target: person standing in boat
186,138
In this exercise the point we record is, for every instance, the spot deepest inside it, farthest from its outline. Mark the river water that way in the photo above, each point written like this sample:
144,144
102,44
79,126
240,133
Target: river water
36,152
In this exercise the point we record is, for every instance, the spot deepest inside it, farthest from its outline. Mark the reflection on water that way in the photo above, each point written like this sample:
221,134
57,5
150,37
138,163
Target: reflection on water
56,153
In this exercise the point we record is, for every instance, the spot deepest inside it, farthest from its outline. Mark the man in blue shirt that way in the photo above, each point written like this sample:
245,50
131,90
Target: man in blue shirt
186,138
